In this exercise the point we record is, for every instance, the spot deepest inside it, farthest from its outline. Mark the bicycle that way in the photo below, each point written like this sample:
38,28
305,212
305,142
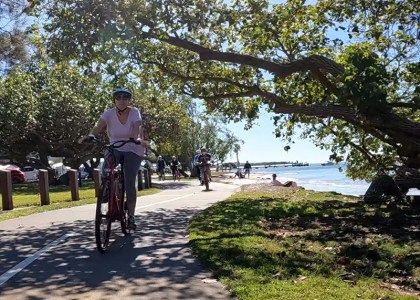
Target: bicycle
110,205
205,174
176,175
161,174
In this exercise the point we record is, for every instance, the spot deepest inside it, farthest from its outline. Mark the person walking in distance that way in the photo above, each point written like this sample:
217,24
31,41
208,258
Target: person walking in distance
196,164
123,122
247,168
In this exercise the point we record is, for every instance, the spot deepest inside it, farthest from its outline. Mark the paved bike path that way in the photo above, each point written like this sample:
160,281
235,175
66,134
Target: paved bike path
52,255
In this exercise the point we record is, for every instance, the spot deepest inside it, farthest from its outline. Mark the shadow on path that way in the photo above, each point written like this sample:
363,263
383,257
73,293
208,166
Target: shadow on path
154,262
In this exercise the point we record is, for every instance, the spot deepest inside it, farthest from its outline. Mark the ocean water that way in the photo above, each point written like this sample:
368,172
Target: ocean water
317,177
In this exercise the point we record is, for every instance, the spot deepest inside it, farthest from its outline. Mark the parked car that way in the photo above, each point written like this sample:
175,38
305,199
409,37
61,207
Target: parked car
31,174
83,173
17,175
60,169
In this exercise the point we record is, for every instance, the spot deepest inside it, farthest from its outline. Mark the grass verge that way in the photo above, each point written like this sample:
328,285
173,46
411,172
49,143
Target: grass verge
26,199
298,244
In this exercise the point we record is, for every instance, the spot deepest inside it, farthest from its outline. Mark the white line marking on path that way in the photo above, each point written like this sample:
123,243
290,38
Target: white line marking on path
166,201
26,262
23,264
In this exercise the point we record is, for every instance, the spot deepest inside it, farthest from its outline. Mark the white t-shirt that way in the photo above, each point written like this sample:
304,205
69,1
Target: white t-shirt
118,131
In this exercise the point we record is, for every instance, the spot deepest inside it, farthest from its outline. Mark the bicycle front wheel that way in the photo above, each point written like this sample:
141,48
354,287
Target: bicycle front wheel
206,182
102,218
206,178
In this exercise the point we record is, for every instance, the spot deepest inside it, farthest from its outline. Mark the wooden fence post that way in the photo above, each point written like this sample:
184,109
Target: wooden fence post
74,185
97,180
150,178
139,180
44,187
146,178
6,189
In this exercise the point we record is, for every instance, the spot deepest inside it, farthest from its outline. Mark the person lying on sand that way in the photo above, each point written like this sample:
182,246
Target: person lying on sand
286,184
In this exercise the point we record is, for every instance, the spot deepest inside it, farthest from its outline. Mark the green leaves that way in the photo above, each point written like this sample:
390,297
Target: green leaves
244,56
50,108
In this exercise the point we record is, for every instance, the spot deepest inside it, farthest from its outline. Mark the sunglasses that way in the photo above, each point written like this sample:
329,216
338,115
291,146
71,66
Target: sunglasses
122,97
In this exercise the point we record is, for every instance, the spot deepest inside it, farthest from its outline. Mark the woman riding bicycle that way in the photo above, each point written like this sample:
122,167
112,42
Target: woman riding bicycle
175,167
123,122
204,161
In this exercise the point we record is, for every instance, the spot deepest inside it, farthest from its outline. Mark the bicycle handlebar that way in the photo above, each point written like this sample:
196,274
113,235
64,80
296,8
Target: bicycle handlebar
114,145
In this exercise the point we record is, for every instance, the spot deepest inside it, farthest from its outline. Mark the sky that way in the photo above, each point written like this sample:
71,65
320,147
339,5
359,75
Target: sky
260,144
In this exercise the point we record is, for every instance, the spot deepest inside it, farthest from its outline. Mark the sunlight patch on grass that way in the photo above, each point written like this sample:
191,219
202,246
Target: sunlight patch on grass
307,245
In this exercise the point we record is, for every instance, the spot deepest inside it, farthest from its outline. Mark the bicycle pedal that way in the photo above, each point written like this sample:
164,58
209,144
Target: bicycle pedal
131,228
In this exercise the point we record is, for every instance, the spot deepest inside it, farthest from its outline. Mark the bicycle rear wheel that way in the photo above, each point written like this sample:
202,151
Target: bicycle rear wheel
102,218
124,217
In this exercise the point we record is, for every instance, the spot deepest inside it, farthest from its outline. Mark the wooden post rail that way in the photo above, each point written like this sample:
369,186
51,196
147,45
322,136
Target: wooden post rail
44,187
74,185
6,189
140,180
146,179
97,179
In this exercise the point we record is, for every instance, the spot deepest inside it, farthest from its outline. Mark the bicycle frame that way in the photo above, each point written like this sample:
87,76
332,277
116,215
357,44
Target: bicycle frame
161,174
110,205
205,172
177,174
205,175
116,177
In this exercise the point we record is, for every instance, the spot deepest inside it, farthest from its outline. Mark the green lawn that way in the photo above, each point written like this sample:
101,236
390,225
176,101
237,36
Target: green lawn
26,199
306,245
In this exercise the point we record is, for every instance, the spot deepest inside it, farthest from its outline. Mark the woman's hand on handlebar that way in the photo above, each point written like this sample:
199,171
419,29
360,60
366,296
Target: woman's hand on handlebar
86,139
140,141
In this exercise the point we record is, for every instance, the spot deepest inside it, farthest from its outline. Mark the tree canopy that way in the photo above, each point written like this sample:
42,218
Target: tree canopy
47,108
345,72
13,40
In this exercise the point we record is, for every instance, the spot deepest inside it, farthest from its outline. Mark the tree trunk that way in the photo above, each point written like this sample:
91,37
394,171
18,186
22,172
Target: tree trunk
385,187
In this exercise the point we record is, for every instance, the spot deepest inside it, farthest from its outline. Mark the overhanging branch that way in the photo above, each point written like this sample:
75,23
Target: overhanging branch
313,62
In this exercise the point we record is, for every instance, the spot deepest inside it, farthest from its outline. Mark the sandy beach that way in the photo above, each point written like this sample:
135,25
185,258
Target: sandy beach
255,182
229,177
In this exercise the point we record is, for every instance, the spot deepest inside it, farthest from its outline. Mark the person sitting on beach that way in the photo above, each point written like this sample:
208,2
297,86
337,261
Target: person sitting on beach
286,184
239,174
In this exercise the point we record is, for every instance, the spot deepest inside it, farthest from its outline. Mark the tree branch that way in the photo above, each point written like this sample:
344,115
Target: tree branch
404,105
312,62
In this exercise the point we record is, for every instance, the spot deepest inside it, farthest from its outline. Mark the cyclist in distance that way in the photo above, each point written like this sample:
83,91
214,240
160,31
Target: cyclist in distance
204,160
174,166
123,122
160,166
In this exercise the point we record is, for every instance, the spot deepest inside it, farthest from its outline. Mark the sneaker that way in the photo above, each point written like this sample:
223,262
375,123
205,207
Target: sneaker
131,224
